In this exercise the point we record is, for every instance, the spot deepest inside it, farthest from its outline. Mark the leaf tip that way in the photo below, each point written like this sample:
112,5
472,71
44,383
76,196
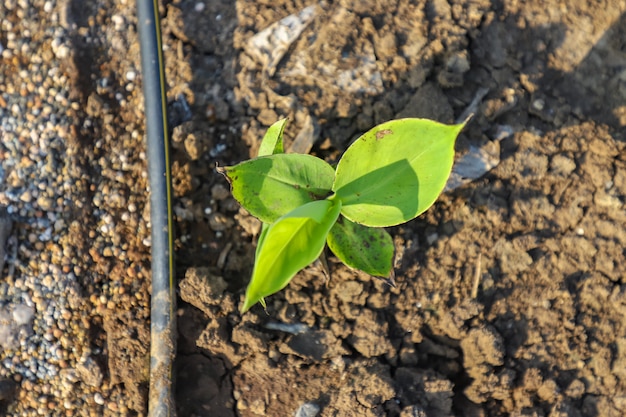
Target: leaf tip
460,126
467,119
388,281
223,171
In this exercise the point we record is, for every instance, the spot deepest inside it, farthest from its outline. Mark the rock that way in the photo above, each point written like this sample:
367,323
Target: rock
23,314
16,324
219,192
308,410
90,372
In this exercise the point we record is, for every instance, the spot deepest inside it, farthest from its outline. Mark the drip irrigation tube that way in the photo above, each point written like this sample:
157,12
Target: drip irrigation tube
162,317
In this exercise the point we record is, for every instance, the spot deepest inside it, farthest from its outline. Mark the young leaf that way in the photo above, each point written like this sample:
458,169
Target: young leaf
290,244
272,142
395,171
366,248
271,186
264,228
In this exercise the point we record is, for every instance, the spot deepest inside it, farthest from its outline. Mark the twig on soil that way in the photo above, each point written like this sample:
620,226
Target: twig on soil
221,260
477,274
473,106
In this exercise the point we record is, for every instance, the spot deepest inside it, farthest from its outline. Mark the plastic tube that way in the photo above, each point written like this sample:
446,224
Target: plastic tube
162,314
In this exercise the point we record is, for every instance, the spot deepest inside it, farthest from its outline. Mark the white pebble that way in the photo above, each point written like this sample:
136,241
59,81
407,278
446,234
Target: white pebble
118,22
199,7
308,410
59,225
539,104
22,314
131,75
98,398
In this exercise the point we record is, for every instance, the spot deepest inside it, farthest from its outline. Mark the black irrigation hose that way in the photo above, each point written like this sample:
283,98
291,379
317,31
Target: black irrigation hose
163,319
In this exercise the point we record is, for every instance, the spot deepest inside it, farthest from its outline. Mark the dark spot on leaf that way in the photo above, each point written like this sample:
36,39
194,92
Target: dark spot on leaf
296,186
382,133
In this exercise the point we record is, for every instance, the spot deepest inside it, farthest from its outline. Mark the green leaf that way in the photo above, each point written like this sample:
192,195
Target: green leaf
264,228
395,171
289,245
366,248
272,142
271,186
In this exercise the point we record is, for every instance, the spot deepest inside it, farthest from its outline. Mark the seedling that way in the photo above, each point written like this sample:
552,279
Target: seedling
388,176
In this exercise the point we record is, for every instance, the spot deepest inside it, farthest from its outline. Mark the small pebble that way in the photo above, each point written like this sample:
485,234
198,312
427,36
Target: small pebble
26,197
98,398
308,410
432,238
539,104
219,192
23,314
219,222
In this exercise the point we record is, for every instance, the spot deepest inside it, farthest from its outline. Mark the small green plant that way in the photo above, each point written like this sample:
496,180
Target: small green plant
388,176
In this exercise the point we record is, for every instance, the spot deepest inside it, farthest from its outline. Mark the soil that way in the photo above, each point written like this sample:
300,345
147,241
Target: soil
542,235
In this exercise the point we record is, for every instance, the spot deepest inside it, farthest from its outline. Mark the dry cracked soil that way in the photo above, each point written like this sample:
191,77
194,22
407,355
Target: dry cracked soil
511,290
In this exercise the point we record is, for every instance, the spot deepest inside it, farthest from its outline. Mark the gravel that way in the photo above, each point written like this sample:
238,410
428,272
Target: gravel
43,320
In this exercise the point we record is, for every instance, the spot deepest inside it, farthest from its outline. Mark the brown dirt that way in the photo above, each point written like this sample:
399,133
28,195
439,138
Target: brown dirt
545,334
